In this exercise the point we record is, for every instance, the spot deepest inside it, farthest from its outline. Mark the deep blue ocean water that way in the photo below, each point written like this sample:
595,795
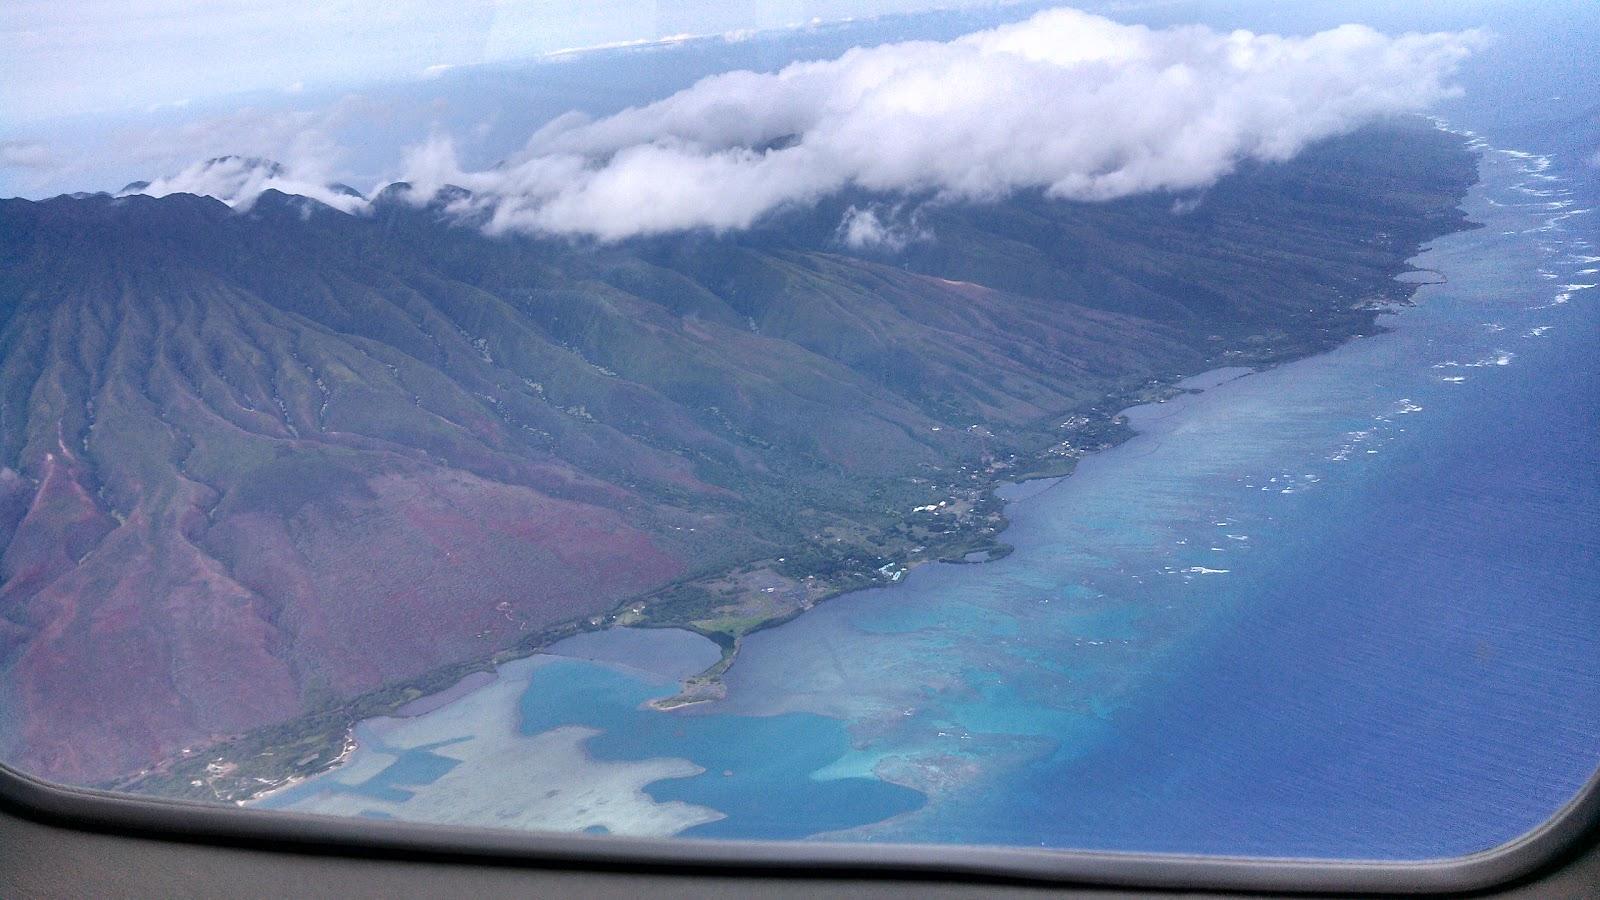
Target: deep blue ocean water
1344,607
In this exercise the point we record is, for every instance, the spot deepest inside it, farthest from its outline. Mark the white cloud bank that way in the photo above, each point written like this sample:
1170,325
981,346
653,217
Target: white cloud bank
1078,105
1074,104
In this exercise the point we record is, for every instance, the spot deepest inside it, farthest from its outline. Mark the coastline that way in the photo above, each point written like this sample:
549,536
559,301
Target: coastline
351,745
708,684
244,756
229,780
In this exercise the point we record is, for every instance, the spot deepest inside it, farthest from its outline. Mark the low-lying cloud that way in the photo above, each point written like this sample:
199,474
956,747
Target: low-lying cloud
239,180
1073,104
252,151
876,227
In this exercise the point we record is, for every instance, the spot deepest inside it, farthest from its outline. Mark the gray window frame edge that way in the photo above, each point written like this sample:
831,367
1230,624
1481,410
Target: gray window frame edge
177,820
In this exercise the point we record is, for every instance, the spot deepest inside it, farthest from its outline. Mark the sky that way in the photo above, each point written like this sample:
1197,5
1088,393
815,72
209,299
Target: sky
1077,105
107,56
96,93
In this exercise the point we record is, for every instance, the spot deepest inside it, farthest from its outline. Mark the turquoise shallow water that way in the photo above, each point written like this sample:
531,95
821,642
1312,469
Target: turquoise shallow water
758,769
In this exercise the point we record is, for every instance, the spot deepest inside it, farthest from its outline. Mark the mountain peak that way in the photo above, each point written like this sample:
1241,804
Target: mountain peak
239,181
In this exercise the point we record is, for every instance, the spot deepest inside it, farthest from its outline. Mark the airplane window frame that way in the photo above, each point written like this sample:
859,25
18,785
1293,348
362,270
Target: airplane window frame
1574,825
